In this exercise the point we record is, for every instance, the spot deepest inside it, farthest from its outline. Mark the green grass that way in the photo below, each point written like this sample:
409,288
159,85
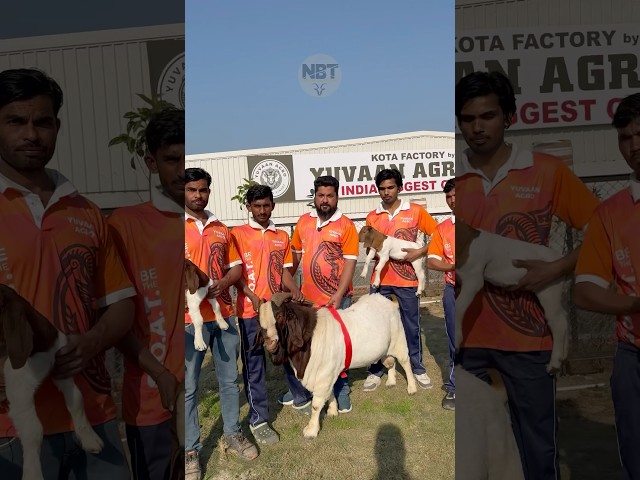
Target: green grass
388,435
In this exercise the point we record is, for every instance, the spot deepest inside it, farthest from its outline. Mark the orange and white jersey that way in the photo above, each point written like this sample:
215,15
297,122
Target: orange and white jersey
210,247
150,237
443,246
404,223
324,247
62,259
610,253
265,253
520,203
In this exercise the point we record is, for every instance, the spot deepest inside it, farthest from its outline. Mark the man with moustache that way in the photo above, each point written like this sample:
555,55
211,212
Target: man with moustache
151,241
208,245
506,329
400,219
610,255
72,276
325,242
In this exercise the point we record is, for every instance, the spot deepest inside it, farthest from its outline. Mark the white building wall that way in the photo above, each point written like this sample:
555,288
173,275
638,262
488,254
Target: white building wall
100,74
228,169
595,148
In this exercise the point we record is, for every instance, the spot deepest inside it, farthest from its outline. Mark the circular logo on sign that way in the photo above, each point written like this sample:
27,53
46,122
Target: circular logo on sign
171,83
274,174
320,75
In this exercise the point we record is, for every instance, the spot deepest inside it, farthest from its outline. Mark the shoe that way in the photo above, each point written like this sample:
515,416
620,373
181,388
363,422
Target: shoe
303,409
238,444
192,466
286,399
423,380
263,433
449,401
371,383
344,404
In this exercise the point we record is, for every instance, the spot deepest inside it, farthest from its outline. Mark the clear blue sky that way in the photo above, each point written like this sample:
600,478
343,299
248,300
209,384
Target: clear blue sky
396,58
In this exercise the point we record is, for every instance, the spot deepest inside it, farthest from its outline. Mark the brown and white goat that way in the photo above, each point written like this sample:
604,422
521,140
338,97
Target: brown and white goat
313,341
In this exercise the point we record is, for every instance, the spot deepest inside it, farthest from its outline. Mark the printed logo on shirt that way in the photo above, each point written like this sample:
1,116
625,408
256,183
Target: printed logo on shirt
5,273
525,192
82,227
623,257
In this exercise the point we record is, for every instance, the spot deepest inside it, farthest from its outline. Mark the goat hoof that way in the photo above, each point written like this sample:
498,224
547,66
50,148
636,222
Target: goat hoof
200,346
412,391
390,383
332,412
309,433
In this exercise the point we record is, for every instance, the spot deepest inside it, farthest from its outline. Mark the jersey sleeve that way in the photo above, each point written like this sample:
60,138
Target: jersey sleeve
232,256
426,223
350,242
288,256
436,245
236,240
296,242
573,202
595,263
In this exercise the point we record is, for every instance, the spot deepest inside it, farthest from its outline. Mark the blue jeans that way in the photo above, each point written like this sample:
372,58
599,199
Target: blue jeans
449,305
300,394
150,450
253,371
410,316
225,347
62,457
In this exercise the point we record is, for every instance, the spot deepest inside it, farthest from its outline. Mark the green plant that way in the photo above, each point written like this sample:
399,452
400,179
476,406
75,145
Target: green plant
137,121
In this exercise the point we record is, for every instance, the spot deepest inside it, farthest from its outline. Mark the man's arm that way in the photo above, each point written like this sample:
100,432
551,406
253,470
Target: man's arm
297,257
115,321
137,353
415,253
230,278
290,284
439,265
595,298
345,281
541,273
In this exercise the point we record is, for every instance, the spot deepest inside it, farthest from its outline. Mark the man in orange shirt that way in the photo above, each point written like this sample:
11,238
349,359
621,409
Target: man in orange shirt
400,219
326,243
266,255
610,255
151,241
56,252
514,192
208,244
441,256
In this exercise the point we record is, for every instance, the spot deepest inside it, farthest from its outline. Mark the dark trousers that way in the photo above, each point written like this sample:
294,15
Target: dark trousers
625,390
150,449
449,305
410,316
253,371
531,392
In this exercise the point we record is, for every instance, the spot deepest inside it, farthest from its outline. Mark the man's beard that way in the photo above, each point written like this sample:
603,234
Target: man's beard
326,215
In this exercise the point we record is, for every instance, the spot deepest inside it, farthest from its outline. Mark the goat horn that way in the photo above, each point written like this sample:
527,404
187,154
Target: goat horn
279,298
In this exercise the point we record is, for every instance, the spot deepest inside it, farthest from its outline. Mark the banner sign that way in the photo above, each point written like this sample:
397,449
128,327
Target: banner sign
562,76
166,70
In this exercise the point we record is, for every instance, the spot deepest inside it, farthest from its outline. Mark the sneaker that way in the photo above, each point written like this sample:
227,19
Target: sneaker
371,383
423,380
303,409
286,399
263,433
344,404
238,444
192,466
449,401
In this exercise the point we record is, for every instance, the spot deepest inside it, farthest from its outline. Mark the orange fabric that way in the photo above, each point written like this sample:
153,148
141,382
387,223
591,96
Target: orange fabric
323,255
405,225
66,269
151,245
214,253
443,246
520,206
611,252
264,256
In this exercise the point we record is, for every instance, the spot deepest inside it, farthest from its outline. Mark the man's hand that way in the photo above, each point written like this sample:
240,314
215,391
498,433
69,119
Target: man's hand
539,275
216,289
334,301
255,302
297,296
168,388
74,356
413,254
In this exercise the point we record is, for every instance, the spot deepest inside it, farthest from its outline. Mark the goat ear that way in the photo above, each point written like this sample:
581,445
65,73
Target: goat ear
296,339
191,278
18,334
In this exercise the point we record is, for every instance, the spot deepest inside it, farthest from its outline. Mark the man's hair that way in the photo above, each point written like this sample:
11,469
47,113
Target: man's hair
326,181
480,84
165,128
195,174
628,110
259,192
389,174
450,185
27,83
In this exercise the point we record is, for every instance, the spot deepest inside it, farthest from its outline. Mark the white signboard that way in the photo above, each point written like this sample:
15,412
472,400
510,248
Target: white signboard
422,170
563,76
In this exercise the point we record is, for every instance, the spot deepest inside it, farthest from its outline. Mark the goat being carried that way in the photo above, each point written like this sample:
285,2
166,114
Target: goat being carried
317,349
